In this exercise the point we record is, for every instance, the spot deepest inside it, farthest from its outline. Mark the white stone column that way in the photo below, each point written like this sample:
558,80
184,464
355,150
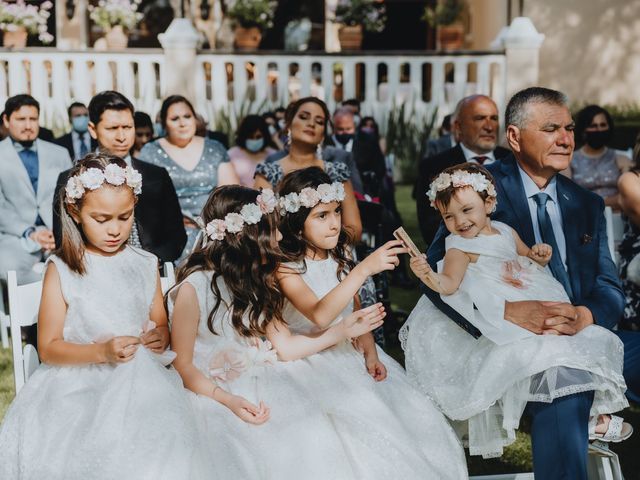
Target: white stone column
331,42
522,44
180,42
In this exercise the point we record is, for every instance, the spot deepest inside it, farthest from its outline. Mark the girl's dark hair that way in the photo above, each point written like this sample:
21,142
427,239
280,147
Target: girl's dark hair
246,261
293,244
248,126
293,108
364,120
172,100
141,120
444,197
72,246
585,117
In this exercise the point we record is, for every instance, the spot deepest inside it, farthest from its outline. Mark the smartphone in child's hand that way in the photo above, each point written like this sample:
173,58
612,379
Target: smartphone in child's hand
404,237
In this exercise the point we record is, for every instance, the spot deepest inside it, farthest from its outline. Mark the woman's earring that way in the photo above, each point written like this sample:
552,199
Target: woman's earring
287,140
319,151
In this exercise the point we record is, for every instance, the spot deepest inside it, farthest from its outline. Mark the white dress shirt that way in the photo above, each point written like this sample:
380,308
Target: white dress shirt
553,208
469,154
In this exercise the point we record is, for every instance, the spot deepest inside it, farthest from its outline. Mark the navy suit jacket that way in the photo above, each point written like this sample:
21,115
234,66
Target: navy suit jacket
593,275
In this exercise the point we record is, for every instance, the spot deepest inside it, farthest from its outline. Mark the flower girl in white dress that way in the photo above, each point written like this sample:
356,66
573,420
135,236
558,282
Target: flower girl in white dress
488,381
102,405
258,416
387,428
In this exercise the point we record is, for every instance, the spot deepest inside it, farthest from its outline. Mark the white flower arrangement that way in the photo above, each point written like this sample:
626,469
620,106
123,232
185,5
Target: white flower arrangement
93,178
15,15
250,214
109,13
310,197
460,179
235,360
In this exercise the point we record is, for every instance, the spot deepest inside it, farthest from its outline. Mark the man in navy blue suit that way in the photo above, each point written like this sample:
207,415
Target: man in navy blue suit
538,203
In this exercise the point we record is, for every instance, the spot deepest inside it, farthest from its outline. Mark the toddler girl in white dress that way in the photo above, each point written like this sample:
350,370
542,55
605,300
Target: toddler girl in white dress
488,381
102,405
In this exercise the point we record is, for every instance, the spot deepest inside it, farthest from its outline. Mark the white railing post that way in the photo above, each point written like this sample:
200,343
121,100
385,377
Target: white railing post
179,43
522,44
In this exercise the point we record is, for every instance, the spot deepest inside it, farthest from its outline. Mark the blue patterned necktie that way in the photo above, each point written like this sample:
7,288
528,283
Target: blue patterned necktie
83,145
548,237
30,161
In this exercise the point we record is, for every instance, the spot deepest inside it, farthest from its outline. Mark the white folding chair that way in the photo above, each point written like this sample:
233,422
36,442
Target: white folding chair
169,278
602,463
608,217
4,328
24,303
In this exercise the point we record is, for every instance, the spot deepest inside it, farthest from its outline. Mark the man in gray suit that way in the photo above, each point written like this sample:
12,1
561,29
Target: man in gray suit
29,168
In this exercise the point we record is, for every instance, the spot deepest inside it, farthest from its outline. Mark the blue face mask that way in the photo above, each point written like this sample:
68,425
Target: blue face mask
80,124
158,130
272,130
254,145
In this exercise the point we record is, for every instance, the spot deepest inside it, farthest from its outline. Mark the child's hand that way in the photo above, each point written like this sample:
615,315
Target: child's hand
364,320
384,258
541,253
120,349
375,367
155,339
247,411
420,267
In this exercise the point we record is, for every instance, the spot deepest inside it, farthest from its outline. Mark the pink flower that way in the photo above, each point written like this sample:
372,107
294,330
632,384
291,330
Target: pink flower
215,229
267,201
227,365
309,197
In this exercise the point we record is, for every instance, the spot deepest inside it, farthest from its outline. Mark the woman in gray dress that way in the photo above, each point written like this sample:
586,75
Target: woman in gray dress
196,165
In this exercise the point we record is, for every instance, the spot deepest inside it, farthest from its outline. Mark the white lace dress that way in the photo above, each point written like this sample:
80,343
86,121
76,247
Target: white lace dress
297,442
388,429
488,381
102,421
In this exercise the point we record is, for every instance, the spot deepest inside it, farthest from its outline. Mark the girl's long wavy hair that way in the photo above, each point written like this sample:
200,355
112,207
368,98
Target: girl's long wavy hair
72,247
246,261
294,245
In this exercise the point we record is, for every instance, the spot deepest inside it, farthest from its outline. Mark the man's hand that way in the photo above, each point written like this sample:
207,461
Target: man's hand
548,317
45,238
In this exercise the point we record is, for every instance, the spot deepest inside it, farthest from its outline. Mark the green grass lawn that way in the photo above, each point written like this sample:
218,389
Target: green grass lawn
517,457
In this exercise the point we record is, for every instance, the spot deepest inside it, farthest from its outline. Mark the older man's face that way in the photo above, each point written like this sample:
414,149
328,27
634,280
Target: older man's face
477,125
546,141
343,124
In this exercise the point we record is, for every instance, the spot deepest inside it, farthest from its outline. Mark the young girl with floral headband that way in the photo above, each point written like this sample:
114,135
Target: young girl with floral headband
488,381
387,427
101,405
258,417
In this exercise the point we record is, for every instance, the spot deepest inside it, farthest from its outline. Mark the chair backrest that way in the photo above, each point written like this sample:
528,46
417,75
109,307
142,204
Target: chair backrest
169,278
24,303
608,217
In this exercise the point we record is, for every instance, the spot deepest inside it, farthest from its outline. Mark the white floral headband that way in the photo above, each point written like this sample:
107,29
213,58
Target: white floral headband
93,178
458,179
310,197
250,214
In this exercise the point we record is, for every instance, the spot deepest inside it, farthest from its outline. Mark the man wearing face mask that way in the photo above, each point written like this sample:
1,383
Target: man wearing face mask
78,142
595,166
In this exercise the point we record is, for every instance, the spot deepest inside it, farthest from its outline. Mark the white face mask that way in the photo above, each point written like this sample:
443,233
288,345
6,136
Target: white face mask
281,124
272,130
356,120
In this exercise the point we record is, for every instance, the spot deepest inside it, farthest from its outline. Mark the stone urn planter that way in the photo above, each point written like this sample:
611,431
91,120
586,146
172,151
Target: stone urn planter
117,38
15,39
350,37
247,38
451,37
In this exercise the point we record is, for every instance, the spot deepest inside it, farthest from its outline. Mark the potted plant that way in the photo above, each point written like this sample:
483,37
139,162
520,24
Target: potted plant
249,19
115,17
355,16
18,20
446,17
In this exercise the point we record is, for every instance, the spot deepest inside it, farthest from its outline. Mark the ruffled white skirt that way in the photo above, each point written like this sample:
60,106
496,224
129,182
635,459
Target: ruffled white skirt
102,422
489,385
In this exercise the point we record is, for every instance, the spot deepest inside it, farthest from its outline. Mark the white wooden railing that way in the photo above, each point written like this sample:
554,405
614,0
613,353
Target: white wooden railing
224,81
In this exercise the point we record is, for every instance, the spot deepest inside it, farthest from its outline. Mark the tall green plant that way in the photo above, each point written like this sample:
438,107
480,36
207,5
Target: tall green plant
407,134
228,118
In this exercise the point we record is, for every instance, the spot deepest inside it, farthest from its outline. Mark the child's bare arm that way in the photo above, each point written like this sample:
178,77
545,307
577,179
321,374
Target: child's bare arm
455,265
539,253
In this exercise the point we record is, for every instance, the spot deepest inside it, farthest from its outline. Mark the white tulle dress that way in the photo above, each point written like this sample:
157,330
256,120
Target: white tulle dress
297,442
103,421
488,381
388,429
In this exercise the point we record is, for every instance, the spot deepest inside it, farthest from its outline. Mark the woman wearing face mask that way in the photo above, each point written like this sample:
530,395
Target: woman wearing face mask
253,145
595,166
196,165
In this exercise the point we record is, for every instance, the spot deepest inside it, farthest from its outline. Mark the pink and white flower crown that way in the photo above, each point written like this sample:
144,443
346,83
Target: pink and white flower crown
459,179
310,197
93,178
250,214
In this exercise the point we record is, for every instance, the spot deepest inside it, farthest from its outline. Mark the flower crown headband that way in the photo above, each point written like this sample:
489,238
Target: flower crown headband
250,214
459,179
310,197
93,178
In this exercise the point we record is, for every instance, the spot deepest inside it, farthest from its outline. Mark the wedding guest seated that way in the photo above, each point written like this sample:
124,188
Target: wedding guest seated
28,173
78,141
158,226
253,145
195,164
445,139
144,132
596,166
